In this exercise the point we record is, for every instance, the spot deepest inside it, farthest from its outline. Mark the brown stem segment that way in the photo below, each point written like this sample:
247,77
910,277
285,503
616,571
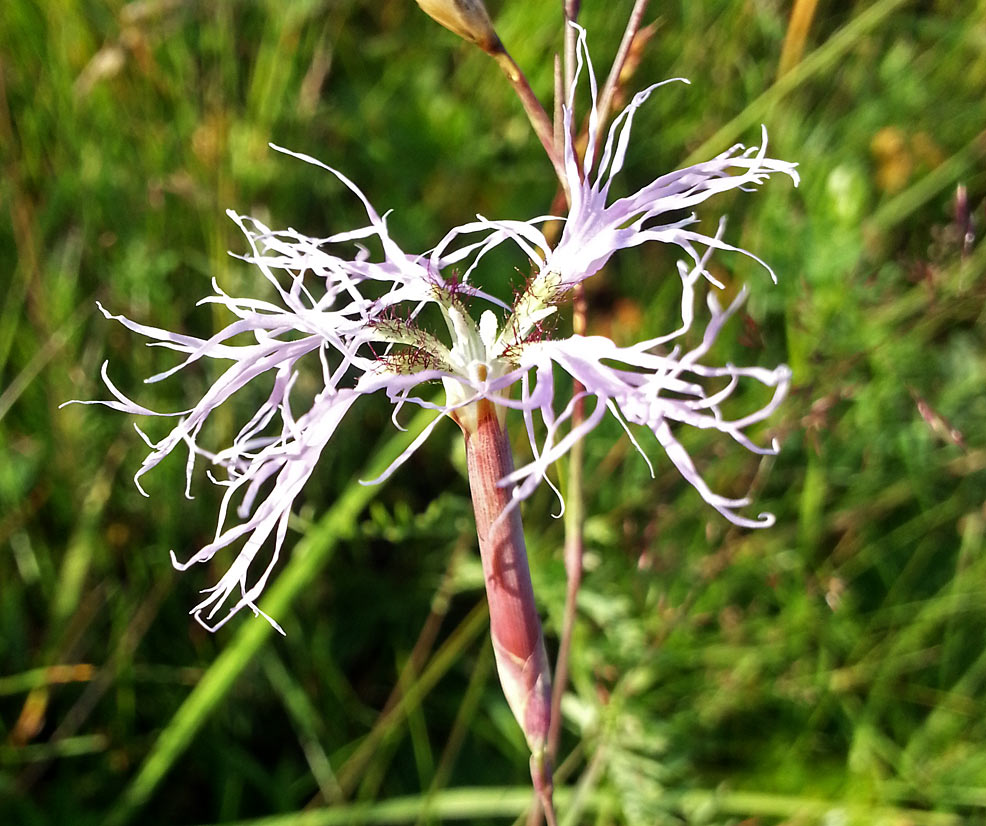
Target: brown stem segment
515,627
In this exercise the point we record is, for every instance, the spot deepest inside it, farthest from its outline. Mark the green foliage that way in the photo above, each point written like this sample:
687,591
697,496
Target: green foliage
828,670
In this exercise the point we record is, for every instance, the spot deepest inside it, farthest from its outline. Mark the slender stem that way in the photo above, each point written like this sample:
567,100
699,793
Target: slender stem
575,506
574,542
613,80
558,113
574,493
571,9
575,496
539,119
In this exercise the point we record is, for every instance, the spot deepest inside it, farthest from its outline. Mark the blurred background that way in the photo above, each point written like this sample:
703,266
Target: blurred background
828,670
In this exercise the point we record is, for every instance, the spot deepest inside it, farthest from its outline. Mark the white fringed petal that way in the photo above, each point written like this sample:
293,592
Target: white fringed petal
359,310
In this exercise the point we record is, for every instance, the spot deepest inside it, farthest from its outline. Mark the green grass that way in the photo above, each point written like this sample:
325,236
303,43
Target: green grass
828,670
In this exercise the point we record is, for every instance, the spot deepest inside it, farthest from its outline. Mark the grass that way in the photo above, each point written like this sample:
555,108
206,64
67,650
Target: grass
828,670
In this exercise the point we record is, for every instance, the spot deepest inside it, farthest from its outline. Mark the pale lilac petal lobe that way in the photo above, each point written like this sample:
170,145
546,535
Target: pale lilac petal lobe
595,231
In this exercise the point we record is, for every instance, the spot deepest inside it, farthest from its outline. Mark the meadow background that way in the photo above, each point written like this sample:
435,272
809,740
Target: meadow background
830,670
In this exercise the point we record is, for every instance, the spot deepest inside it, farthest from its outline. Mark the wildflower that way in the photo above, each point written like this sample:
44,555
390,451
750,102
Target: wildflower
360,312
359,316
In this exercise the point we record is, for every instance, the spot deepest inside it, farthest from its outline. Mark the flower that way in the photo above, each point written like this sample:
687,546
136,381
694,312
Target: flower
360,314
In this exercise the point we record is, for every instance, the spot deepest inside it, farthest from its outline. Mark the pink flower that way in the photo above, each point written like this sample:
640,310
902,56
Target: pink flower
358,312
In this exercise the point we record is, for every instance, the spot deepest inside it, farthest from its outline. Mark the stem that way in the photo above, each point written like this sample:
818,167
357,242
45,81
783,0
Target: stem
574,542
539,119
559,126
515,628
574,494
571,9
613,79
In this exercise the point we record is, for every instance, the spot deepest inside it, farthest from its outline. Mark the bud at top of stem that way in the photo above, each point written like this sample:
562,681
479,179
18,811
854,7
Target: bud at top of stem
467,18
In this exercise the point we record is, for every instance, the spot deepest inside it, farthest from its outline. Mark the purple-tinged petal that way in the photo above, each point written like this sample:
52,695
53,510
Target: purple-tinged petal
594,231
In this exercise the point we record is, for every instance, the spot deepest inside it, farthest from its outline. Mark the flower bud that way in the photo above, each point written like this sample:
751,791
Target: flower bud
467,18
